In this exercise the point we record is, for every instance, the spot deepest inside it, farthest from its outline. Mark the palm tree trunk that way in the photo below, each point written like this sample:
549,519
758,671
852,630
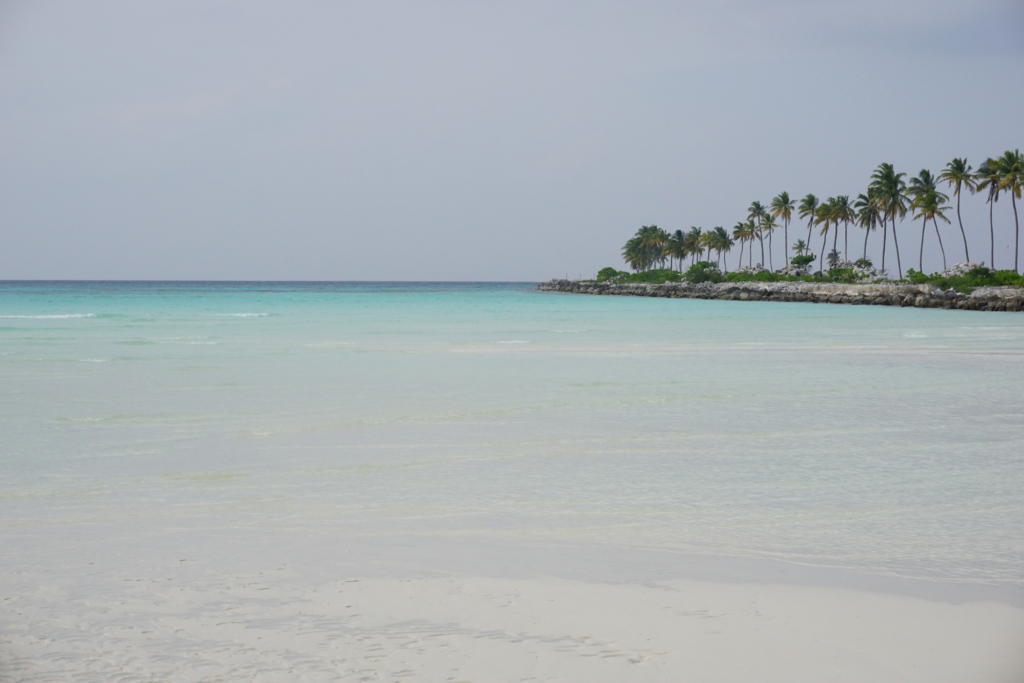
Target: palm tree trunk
991,234
809,235
785,237
920,255
739,263
824,241
896,242
938,234
867,231
885,240
1016,240
835,236
771,266
846,240
960,220
760,238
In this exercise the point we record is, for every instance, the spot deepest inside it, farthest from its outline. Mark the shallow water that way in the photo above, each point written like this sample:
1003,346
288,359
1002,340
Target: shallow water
154,417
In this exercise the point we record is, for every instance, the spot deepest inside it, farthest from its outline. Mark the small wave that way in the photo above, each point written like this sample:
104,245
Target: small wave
47,316
239,315
329,345
514,341
93,360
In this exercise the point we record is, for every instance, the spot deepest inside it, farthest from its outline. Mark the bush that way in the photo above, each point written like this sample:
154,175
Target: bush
975,277
609,273
803,260
842,275
655,276
703,271
768,277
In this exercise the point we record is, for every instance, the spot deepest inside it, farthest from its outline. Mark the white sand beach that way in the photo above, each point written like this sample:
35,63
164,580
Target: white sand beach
274,626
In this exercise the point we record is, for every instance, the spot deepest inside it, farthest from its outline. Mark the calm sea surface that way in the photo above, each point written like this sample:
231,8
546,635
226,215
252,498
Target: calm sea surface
162,415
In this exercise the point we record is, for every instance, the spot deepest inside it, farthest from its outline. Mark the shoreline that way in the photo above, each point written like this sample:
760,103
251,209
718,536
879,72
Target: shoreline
875,294
205,610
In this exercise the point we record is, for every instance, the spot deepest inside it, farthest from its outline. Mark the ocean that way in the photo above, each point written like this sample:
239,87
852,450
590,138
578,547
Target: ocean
426,428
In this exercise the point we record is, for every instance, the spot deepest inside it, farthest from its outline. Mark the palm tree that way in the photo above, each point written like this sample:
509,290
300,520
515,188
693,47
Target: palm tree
1011,179
868,216
693,243
782,208
633,253
957,175
808,209
767,226
891,192
719,240
707,241
826,213
987,178
929,204
646,248
844,212
754,213
677,247
653,240
739,234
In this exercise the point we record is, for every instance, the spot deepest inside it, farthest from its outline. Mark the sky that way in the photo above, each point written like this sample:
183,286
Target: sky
471,140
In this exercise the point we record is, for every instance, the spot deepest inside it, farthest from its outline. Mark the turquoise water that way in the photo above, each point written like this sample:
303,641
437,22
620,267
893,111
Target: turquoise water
884,441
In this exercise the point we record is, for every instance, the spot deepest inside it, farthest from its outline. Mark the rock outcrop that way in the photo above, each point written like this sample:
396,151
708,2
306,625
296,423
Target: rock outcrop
878,294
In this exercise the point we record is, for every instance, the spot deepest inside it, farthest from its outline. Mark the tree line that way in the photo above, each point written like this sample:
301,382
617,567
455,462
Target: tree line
889,196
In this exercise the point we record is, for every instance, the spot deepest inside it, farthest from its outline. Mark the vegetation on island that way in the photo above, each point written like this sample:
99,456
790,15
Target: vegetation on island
890,199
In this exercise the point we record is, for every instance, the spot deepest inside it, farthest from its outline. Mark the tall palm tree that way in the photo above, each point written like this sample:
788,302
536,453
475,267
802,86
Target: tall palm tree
653,240
1011,179
987,179
707,241
720,241
868,216
808,209
646,248
693,243
633,253
677,247
891,189
929,204
843,212
767,227
739,234
782,208
957,175
826,214
754,213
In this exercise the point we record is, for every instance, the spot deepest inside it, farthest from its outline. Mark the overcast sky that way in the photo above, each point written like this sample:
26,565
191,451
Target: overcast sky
470,140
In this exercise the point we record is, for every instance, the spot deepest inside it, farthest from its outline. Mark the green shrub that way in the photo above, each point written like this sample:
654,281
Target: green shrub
842,275
976,277
655,276
609,273
703,271
769,277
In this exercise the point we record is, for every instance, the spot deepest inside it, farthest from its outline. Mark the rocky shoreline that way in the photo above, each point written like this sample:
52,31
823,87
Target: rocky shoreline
877,294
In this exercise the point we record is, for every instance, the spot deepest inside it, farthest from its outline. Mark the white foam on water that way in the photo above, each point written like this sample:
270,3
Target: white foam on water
514,341
47,316
238,315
